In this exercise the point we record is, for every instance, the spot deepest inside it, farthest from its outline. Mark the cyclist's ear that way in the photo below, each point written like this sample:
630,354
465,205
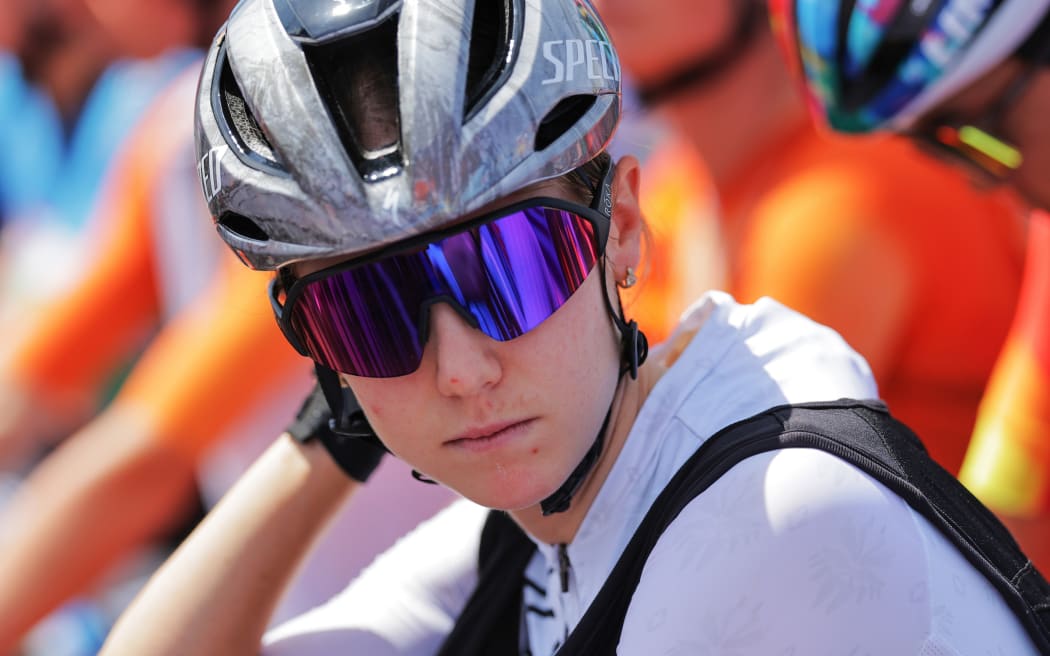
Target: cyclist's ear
628,224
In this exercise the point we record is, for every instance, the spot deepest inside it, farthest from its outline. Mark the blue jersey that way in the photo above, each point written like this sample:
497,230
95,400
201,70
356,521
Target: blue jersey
49,171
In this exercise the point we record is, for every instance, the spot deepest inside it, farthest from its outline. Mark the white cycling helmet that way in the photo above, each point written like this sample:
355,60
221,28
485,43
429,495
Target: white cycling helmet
884,64
481,98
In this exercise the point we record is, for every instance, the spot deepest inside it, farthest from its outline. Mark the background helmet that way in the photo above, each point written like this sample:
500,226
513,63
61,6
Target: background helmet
883,64
332,127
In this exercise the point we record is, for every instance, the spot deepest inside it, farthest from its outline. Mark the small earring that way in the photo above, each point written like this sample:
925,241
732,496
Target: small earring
630,280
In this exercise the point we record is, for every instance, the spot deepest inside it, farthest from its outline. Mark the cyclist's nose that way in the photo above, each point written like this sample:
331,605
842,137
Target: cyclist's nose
466,361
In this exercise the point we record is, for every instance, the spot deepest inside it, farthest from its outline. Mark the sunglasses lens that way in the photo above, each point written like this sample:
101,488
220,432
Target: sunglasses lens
362,321
507,276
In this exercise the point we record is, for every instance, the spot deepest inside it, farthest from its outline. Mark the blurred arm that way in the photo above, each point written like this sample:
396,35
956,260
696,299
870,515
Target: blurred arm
129,476
52,375
104,491
217,592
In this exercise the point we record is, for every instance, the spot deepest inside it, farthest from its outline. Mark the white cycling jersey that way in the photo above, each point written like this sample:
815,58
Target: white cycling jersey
791,552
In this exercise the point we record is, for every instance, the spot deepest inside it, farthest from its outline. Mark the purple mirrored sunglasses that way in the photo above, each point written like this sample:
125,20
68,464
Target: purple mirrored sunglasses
505,273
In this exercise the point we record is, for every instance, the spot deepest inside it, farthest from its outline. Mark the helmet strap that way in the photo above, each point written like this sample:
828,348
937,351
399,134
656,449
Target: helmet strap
348,420
561,499
423,479
634,348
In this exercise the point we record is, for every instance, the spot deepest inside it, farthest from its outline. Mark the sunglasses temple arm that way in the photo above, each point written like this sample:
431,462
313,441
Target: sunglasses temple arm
278,312
602,204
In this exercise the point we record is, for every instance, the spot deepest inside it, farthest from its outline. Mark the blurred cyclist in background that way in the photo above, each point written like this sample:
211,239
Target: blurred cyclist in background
970,84
916,270
216,374
68,97
71,89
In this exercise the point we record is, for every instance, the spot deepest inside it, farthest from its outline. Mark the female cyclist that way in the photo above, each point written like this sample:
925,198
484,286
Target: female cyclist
428,180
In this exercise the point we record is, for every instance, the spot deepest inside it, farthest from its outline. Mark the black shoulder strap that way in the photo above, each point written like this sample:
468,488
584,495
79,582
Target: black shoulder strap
490,622
949,506
861,433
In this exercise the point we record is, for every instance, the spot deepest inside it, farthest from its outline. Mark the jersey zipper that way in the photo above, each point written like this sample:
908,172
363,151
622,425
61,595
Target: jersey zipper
563,566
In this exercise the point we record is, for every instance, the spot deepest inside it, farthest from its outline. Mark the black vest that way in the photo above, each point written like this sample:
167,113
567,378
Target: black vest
859,432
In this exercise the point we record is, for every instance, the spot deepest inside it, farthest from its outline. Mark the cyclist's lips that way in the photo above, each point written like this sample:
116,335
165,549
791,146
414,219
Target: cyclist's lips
490,436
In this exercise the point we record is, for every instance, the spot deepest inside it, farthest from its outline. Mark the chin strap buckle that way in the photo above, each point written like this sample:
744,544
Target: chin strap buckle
634,348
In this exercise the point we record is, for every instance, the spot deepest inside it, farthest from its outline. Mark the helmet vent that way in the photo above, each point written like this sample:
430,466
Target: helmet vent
491,52
357,78
251,141
243,226
559,120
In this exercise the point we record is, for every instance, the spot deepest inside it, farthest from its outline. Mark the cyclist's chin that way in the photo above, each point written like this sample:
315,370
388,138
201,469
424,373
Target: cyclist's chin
509,488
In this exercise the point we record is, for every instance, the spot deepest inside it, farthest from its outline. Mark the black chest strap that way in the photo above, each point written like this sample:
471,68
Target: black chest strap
859,432
489,624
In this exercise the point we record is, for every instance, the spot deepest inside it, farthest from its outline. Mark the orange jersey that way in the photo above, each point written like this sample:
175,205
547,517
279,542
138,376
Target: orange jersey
916,269
160,274
683,250
1008,464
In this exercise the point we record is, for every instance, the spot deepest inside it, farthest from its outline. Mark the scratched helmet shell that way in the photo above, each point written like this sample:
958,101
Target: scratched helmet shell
884,64
482,97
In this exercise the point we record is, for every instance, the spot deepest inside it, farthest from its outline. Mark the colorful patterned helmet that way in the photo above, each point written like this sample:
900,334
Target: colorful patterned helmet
883,64
480,98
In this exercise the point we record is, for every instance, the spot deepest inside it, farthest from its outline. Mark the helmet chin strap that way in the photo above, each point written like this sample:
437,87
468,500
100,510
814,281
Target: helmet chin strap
634,348
561,499
348,420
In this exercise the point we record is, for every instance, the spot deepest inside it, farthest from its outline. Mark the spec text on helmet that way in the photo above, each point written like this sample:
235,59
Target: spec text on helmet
576,58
